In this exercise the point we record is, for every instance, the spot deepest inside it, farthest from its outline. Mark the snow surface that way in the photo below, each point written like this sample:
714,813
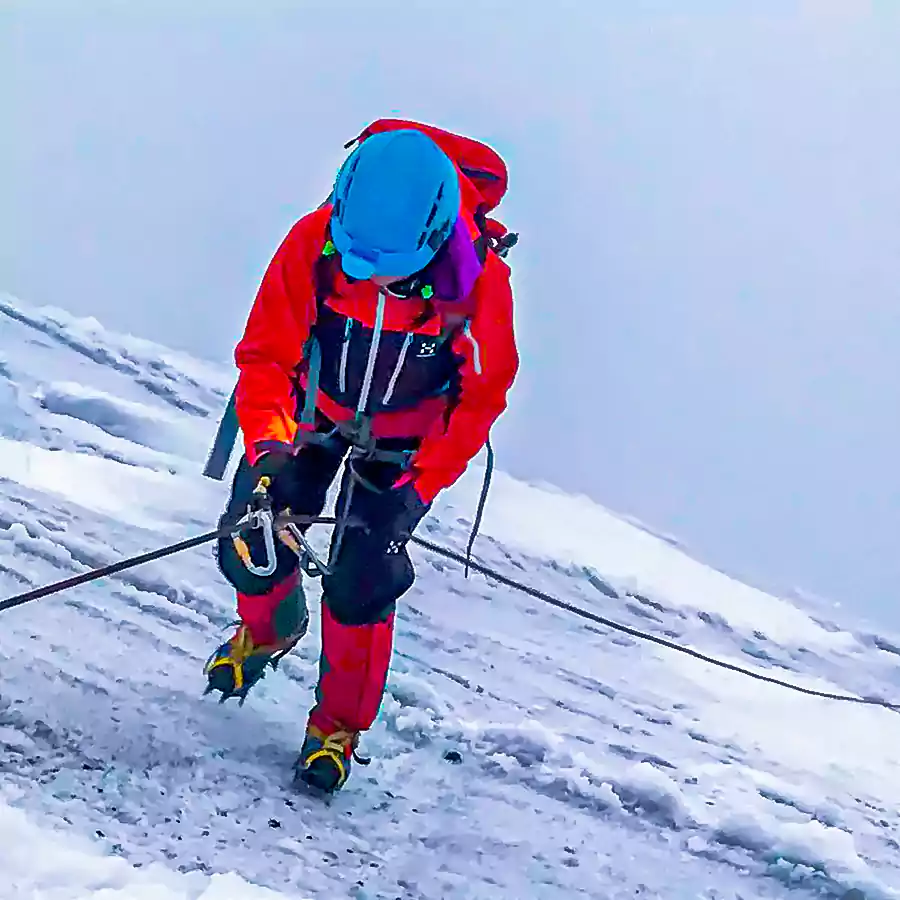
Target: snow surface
589,764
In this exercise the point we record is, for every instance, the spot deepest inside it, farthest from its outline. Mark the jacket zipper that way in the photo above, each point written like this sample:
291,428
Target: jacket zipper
345,352
373,355
397,369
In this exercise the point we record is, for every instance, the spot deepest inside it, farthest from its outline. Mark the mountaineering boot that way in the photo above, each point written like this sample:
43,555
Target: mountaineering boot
325,759
353,668
238,664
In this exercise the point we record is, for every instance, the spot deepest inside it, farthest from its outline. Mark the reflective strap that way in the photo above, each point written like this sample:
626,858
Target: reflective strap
314,350
345,351
397,369
476,350
373,355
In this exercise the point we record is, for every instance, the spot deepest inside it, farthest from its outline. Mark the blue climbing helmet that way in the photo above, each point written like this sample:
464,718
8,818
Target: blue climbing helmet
396,199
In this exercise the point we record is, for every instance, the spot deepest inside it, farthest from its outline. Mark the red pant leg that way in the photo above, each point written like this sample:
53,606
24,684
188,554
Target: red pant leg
353,673
268,615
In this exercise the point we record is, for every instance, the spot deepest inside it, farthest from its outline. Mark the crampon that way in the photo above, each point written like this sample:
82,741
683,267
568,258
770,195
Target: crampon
238,664
325,760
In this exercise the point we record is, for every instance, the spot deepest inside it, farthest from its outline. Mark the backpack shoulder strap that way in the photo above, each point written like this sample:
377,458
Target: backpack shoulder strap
325,271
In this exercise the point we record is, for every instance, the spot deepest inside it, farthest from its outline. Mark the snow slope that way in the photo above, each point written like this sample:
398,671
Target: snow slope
589,764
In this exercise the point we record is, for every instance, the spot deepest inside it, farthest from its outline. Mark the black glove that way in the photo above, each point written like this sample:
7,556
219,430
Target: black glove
399,510
275,466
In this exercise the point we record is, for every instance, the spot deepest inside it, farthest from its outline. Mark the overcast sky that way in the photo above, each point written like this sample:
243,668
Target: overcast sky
708,300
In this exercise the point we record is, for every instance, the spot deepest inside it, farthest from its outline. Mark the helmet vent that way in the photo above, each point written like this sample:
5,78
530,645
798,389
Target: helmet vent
428,234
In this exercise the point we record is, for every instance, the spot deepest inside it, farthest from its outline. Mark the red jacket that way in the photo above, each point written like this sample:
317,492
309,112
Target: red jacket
270,358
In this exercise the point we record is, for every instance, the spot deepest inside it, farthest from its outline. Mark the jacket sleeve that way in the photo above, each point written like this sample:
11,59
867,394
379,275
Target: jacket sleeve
272,345
490,363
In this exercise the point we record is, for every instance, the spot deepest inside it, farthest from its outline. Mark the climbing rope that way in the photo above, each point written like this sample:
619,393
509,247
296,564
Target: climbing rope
284,521
645,636
130,563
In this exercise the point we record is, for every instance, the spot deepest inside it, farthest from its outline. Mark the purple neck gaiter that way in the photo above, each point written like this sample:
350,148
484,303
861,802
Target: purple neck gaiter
456,268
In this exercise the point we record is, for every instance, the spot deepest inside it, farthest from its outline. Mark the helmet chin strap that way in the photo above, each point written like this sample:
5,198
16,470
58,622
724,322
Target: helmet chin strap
406,287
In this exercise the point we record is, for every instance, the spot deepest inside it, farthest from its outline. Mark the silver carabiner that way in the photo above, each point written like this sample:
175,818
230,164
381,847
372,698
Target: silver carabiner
310,562
257,518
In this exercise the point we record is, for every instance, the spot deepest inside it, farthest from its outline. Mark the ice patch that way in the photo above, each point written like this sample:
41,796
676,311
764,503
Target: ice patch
151,427
142,497
185,383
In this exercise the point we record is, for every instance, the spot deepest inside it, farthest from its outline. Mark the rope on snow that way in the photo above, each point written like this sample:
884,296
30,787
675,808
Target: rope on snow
462,559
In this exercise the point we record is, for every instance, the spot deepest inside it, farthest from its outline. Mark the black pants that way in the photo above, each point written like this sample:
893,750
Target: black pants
370,572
